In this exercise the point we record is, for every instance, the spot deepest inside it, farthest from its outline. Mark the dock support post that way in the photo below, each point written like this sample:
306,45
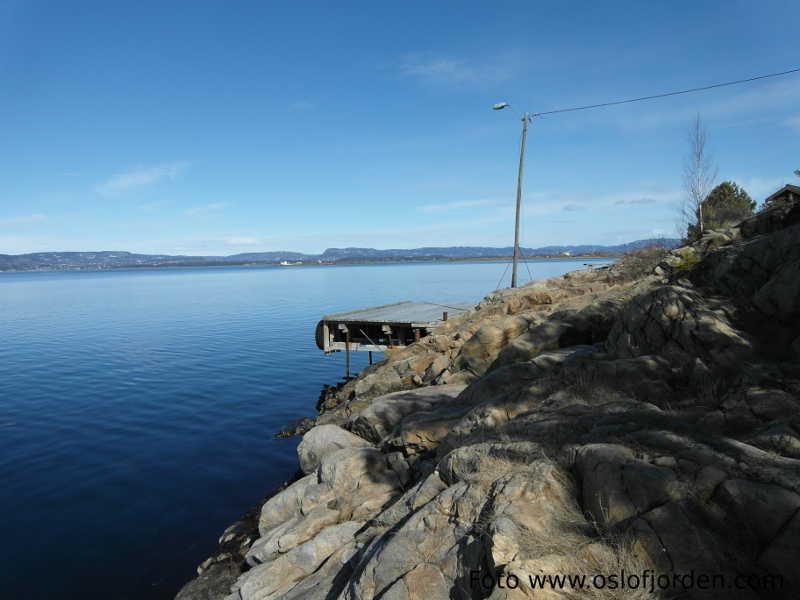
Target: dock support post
347,356
370,357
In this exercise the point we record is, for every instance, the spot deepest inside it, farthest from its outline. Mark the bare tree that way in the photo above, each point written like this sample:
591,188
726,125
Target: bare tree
699,175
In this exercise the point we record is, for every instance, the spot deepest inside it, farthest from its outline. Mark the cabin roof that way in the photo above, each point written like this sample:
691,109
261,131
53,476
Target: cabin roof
794,189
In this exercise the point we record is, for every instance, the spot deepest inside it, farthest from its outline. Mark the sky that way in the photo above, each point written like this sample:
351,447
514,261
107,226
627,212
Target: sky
215,128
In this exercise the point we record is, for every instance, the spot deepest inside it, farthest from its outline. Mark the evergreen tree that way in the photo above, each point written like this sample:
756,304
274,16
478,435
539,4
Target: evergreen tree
725,205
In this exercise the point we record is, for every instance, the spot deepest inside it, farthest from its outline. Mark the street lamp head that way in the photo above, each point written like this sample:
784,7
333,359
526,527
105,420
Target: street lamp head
501,106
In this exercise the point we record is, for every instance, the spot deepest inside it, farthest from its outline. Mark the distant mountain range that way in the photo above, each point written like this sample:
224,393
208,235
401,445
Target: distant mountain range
121,260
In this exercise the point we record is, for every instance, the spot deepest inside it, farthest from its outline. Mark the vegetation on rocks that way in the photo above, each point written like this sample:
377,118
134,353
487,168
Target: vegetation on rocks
725,205
642,417
637,263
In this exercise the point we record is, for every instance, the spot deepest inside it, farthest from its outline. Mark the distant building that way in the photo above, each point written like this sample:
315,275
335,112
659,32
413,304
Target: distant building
566,253
788,193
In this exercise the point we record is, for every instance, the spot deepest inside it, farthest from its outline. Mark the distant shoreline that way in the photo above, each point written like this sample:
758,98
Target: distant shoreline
311,264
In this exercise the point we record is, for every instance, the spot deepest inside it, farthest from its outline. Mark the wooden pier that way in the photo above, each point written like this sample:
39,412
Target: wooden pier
379,328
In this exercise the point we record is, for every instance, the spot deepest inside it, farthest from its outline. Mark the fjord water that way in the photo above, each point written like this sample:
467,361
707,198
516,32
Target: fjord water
138,407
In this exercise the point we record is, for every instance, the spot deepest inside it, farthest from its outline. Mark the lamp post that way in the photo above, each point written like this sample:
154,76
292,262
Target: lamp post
526,118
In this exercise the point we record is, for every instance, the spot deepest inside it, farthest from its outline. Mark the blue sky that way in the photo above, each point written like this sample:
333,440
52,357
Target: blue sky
225,127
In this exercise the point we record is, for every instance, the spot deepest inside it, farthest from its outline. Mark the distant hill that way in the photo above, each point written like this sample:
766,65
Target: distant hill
121,260
334,254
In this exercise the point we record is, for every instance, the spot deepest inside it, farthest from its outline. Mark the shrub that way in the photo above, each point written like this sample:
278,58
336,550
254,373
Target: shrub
637,263
686,263
726,205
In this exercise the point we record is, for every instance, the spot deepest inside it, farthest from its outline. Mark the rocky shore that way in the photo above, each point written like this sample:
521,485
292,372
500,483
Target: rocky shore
641,418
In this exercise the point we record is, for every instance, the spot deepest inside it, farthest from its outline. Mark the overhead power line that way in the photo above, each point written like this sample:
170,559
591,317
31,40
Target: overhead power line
654,96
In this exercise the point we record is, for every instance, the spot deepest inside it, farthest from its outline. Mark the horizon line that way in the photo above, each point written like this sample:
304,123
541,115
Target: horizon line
335,248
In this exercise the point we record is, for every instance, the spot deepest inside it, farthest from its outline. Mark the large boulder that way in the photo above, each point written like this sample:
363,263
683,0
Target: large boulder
550,335
765,509
275,578
384,413
780,296
350,484
616,486
681,325
321,441
483,347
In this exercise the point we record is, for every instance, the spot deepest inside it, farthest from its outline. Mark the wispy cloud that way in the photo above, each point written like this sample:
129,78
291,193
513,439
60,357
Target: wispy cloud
623,236
136,178
438,69
458,205
629,201
794,123
738,103
22,219
543,203
242,241
204,209
641,197
761,187
302,105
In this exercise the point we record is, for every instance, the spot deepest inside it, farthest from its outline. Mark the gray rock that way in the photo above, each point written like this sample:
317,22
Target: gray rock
762,507
327,581
434,545
550,335
272,579
679,324
212,584
770,404
482,348
378,419
291,534
362,480
439,365
783,553
796,347
285,505
655,428
323,440
780,296
676,541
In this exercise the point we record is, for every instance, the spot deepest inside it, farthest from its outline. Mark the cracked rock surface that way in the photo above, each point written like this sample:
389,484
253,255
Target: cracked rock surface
587,424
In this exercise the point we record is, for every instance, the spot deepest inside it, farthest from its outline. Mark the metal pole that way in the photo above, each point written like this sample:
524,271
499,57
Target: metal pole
525,119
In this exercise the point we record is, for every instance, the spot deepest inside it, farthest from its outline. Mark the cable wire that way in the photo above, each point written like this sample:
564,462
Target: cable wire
461,308
530,277
654,96
503,275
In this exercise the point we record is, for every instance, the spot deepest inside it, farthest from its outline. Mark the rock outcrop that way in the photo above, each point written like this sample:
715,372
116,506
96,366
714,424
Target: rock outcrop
597,425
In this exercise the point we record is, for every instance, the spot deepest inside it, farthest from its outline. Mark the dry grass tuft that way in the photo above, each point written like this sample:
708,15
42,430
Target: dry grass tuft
637,263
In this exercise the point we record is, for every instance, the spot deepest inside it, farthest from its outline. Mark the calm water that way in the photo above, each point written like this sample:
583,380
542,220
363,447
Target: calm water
138,407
